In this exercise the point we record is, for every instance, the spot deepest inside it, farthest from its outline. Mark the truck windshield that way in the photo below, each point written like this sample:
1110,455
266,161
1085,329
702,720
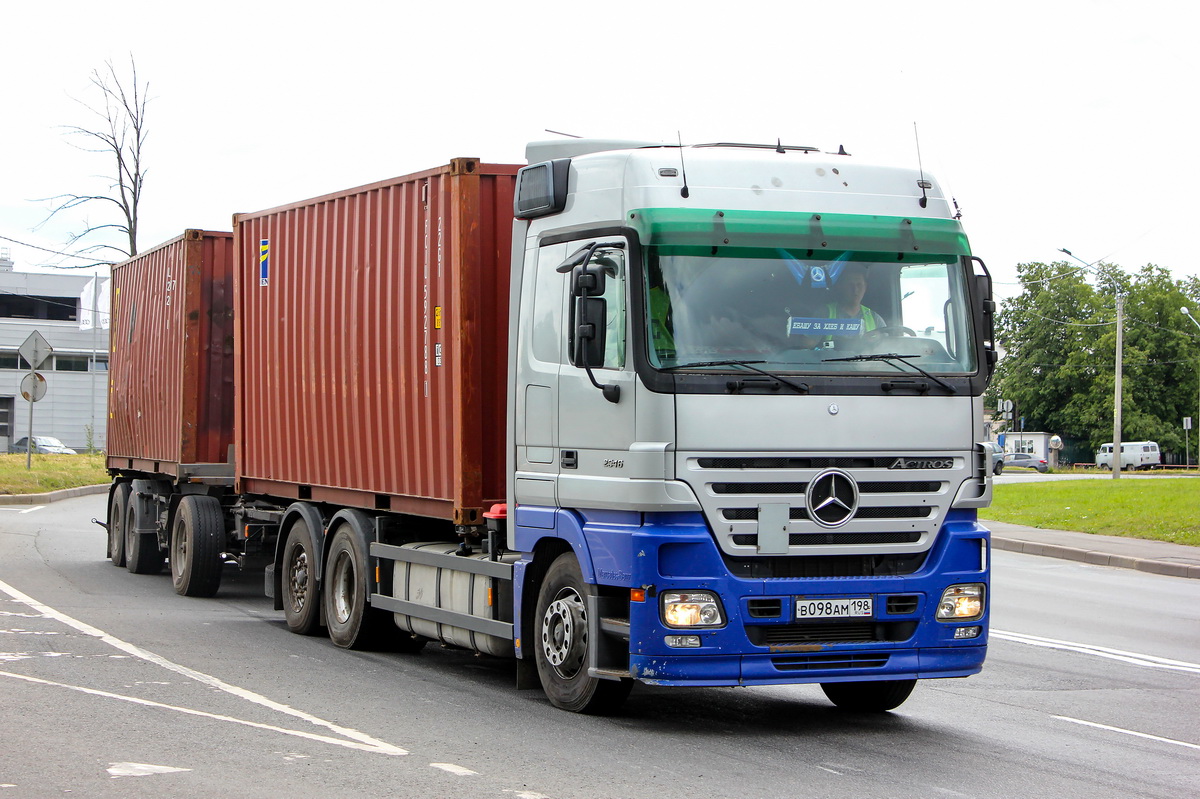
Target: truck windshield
796,310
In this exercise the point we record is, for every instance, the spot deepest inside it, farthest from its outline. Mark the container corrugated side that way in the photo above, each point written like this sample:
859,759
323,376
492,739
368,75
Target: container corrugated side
171,356
371,347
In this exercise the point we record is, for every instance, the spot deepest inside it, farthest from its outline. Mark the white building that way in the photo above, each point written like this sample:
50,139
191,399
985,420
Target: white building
75,408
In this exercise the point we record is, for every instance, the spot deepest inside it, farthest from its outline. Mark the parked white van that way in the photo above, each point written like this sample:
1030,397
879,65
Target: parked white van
1134,455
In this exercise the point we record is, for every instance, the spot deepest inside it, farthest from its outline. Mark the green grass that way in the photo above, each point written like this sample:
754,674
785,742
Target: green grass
1159,509
50,473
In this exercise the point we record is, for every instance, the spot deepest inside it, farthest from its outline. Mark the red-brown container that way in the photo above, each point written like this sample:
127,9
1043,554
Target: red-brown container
170,396
372,332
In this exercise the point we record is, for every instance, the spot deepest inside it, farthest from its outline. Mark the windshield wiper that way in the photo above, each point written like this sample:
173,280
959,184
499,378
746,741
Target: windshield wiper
800,387
890,358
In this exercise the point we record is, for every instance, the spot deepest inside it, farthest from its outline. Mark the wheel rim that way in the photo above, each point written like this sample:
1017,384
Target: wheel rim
179,555
343,587
298,580
116,530
564,633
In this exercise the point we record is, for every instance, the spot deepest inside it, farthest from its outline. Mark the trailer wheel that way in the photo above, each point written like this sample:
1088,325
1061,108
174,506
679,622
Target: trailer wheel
562,647
351,621
196,543
869,697
116,524
301,592
142,555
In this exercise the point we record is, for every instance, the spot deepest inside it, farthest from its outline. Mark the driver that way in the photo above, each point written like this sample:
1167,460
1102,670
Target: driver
848,293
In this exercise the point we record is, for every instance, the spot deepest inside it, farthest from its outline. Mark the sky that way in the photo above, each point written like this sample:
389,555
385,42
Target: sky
1065,124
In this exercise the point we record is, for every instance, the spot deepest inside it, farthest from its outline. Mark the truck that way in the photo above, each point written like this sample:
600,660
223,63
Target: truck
704,415
1134,455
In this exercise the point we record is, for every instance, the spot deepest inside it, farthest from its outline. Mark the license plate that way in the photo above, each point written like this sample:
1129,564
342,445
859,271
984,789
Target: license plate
852,607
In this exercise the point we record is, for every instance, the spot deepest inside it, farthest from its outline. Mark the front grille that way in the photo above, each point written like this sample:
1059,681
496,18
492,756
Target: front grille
819,539
846,660
902,605
796,514
759,488
841,632
901,499
824,566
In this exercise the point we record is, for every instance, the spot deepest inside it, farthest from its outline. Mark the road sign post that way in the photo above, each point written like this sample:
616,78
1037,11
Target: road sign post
35,350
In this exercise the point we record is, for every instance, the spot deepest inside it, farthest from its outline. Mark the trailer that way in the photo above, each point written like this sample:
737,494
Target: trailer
697,416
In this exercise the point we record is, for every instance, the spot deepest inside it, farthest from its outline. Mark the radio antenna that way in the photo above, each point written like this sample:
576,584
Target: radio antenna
923,183
684,193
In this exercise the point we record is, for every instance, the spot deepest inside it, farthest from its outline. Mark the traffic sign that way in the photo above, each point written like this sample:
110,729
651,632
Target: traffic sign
35,350
33,387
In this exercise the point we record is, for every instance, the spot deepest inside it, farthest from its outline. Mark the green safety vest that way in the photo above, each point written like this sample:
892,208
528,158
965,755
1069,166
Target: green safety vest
868,316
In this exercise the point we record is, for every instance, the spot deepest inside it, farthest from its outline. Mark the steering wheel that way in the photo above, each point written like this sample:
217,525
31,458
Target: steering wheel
890,330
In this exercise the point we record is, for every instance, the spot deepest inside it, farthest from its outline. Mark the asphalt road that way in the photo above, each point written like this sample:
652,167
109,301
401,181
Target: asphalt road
111,685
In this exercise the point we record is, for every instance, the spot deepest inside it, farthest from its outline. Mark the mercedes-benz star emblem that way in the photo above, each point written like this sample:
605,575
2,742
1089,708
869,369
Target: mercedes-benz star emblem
832,498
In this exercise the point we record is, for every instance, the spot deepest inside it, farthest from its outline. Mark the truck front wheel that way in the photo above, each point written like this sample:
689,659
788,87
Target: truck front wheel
196,540
869,697
562,645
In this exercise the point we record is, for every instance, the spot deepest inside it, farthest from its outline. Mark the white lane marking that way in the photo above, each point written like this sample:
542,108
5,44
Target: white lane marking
206,679
1128,732
141,769
191,712
1137,659
24,510
453,769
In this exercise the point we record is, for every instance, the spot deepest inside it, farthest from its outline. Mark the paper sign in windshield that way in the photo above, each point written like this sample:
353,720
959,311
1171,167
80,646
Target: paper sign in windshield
808,326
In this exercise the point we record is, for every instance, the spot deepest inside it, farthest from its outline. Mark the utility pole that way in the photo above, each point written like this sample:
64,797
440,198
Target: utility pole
1117,453
1188,314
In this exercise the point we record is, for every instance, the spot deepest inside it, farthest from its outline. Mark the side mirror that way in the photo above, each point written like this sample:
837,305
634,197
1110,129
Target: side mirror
591,331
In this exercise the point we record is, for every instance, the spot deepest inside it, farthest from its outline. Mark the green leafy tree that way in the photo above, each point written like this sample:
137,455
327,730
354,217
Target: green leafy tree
1059,338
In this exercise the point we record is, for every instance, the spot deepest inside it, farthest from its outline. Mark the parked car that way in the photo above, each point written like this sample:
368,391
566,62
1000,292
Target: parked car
1023,460
997,455
42,445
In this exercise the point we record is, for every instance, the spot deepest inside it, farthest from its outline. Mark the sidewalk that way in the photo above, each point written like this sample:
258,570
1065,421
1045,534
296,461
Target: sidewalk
1157,557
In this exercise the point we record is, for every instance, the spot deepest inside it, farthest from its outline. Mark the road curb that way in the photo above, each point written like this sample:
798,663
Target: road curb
51,496
1097,558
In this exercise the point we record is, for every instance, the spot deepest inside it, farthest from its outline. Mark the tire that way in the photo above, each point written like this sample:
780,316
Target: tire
299,585
196,544
1104,467
351,621
142,555
868,697
561,651
998,469
116,524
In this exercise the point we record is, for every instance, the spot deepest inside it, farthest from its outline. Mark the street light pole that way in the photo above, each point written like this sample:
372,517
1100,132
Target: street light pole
1116,453
1188,314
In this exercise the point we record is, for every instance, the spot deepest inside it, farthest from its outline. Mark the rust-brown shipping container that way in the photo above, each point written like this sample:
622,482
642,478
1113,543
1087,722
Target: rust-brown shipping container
372,332
170,397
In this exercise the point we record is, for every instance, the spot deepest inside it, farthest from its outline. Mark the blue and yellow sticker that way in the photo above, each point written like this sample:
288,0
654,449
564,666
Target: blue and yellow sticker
264,261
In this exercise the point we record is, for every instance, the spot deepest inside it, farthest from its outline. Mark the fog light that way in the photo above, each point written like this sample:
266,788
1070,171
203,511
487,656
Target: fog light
967,632
961,602
691,609
682,641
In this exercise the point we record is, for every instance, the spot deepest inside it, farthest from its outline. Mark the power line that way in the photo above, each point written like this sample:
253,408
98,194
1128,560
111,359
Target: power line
56,252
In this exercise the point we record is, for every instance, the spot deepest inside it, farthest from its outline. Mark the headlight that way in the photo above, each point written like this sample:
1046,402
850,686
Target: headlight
961,603
691,609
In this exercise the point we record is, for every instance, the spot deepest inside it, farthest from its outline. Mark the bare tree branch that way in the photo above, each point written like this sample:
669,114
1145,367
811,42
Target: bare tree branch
122,135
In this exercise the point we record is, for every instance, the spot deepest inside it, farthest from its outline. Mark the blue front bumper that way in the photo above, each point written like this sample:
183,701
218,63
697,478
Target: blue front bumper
902,640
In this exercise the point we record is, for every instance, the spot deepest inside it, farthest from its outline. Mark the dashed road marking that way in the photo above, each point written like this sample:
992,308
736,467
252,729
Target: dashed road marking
453,769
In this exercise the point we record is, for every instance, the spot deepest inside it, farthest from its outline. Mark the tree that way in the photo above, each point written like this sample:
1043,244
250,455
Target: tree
1059,337
122,136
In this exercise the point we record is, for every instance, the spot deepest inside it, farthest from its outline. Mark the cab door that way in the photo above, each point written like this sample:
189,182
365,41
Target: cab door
595,411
